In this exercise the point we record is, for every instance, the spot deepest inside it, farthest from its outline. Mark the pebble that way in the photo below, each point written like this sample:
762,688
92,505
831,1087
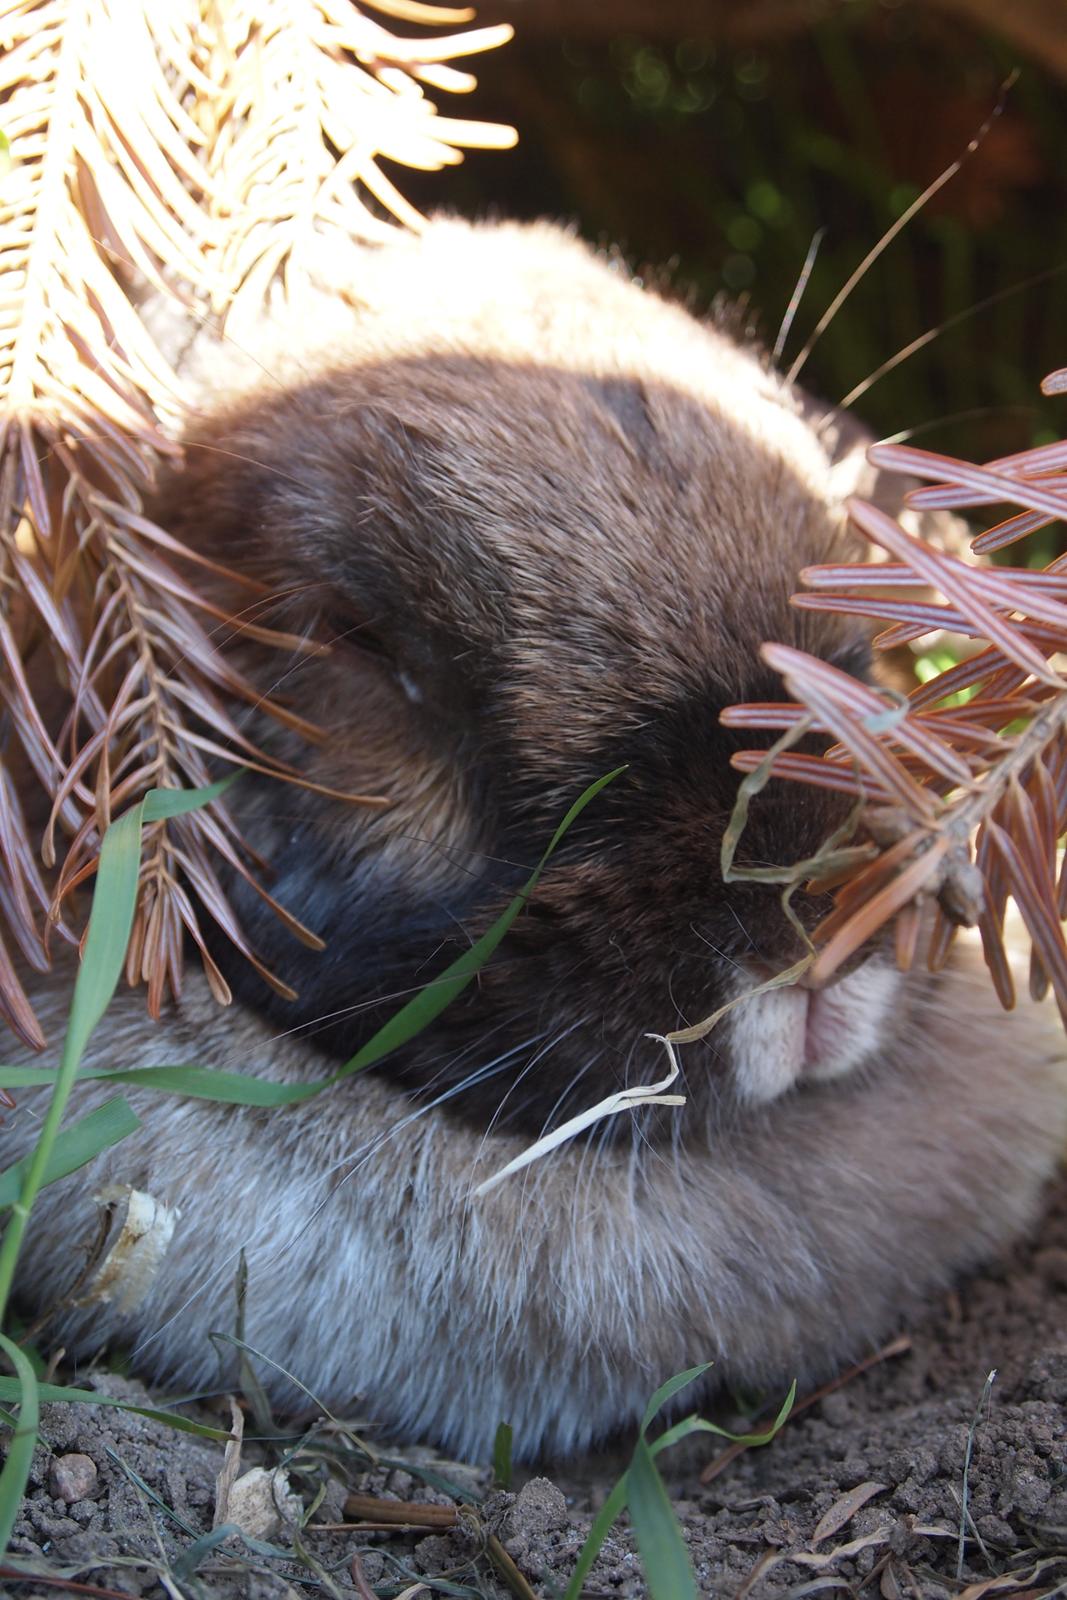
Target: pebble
262,1502
72,1477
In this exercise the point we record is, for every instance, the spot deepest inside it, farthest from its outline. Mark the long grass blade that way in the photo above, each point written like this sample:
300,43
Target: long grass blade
50,1393
22,1388
667,1391
75,1147
117,885
603,1522
668,1569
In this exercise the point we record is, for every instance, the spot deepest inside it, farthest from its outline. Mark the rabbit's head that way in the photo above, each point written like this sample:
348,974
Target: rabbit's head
544,520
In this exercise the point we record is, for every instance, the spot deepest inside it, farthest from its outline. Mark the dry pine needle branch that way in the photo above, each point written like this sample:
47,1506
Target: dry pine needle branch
153,149
963,786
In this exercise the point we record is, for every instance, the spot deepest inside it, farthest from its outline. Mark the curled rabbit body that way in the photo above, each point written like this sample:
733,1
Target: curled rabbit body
546,519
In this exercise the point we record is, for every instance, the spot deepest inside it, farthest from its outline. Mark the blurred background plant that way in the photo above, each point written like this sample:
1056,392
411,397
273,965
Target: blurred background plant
718,143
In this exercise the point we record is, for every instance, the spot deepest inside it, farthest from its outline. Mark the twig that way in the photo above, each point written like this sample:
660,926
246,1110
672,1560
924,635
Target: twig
390,1512
366,1527
397,1514
231,1465
359,1578
965,1494
1048,725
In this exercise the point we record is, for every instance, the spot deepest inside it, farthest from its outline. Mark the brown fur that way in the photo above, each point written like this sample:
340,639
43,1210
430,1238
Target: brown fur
548,518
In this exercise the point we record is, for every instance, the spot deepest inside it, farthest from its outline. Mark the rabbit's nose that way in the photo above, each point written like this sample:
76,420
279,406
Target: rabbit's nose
784,1037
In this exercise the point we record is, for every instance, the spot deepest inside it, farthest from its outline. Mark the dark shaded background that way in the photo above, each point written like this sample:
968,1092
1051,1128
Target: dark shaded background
718,160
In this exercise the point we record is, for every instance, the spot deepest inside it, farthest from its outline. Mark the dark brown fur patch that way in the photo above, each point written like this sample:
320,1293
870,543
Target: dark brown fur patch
560,574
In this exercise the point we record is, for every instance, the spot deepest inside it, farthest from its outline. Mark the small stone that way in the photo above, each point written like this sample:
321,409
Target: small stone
997,1531
435,1553
72,1478
373,1565
837,1410
262,1502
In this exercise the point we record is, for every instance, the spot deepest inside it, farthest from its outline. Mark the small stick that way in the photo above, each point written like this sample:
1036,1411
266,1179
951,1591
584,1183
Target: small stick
392,1514
965,1514
367,1527
369,1507
897,1347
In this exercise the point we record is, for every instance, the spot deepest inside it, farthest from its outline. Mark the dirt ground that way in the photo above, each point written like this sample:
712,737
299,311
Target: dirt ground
862,1493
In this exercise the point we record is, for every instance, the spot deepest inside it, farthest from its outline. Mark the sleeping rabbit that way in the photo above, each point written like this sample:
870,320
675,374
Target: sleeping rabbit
544,519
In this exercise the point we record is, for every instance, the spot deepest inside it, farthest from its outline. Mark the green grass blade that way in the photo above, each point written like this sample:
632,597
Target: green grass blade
184,1568
436,1480
16,1471
110,920
668,1390
412,1018
688,1425
234,1088
107,936
149,1493
603,1523
74,1146
56,1392
502,1455
659,1529
249,1350
668,1570
225,1088
112,914
197,1083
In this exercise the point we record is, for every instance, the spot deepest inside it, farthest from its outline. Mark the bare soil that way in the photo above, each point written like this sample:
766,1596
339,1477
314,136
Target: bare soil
862,1493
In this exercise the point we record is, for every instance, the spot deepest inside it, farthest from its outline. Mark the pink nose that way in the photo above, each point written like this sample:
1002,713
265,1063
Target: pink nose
785,1036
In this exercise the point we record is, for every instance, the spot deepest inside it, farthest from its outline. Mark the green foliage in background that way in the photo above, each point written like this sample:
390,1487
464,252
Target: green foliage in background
721,163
